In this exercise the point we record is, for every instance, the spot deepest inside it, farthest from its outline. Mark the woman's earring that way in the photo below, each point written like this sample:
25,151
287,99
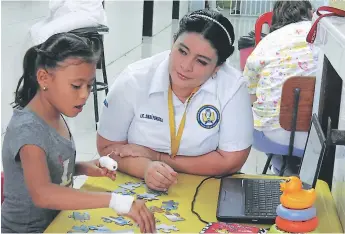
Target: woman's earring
44,88
214,75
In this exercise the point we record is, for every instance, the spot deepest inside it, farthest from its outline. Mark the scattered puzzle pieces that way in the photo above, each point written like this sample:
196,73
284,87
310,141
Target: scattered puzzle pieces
147,196
173,217
155,209
79,216
79,229
131,185
123,191
117,220
125,231
100,229
169,205
166,228
158,193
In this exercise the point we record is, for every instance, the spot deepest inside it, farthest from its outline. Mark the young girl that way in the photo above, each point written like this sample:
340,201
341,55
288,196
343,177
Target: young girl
38,150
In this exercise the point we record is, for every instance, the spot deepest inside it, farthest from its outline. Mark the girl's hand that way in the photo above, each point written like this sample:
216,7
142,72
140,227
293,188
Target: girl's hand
92,168
133,150
142,216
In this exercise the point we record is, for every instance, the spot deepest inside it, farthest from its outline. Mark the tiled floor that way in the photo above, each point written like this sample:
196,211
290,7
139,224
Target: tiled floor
83,125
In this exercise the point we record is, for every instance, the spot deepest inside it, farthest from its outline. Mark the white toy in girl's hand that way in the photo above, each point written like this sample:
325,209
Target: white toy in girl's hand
108,163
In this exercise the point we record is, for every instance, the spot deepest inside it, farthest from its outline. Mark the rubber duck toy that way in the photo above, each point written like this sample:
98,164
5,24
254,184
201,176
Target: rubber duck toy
294,196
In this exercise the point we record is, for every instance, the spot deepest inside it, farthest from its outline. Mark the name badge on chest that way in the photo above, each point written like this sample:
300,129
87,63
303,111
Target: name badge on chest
152,117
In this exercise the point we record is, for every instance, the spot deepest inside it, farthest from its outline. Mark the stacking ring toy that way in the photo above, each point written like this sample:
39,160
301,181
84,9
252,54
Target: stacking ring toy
294,196
296,215
300,203
275,229
297,227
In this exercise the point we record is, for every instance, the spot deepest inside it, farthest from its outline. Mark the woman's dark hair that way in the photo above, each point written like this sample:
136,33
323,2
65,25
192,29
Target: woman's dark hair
211,31
287,12
48,55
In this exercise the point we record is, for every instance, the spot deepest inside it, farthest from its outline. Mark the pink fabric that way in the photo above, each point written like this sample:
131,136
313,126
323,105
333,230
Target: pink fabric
2,187
244,53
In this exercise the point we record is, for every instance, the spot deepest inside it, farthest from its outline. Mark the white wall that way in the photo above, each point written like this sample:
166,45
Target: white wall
162,15
125,19
196,5
184,7
16,19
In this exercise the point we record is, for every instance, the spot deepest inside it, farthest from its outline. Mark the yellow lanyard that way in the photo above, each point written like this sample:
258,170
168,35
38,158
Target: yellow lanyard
175,140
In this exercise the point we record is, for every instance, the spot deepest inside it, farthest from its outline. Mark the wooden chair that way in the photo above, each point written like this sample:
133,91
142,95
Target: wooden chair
295,111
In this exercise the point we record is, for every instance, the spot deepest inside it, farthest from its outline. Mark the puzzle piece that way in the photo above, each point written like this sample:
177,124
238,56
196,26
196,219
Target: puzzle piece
156,209
100,229
166,228
169,205
123,191
103,230
158,193
125,231
131,185
117,220
173,217
147,196
82,217
79,229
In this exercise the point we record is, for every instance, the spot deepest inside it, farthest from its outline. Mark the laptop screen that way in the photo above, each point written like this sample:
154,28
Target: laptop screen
316,140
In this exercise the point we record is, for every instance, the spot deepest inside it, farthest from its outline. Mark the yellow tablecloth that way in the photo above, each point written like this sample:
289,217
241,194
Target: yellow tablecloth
205,205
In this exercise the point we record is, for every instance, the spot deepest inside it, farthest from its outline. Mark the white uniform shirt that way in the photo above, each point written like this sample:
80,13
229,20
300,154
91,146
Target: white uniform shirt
218,116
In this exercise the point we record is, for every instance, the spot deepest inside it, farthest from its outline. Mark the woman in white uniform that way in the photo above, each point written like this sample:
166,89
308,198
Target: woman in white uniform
185,110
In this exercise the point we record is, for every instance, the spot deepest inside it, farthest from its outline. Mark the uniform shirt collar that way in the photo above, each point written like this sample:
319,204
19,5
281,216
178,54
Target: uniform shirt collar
160,79
210,86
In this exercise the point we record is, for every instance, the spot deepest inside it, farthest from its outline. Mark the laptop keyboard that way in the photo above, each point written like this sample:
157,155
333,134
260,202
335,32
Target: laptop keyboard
262,197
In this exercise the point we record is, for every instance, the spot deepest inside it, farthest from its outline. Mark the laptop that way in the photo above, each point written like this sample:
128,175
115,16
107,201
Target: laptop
255,200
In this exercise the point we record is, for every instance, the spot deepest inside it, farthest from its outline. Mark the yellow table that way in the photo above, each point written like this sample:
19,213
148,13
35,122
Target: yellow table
206,205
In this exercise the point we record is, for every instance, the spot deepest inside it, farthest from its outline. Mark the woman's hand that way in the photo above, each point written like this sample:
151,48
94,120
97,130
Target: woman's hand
93,168
133,150
142,216
160,176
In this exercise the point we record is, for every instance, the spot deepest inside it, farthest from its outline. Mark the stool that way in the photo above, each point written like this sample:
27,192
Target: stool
96,34
265,18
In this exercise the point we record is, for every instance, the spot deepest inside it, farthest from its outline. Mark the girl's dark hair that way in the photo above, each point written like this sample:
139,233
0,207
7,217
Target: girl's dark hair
48,55
211,31
287,12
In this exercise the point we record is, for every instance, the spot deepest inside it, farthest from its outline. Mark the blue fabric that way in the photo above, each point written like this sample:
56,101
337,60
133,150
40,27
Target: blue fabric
264,144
